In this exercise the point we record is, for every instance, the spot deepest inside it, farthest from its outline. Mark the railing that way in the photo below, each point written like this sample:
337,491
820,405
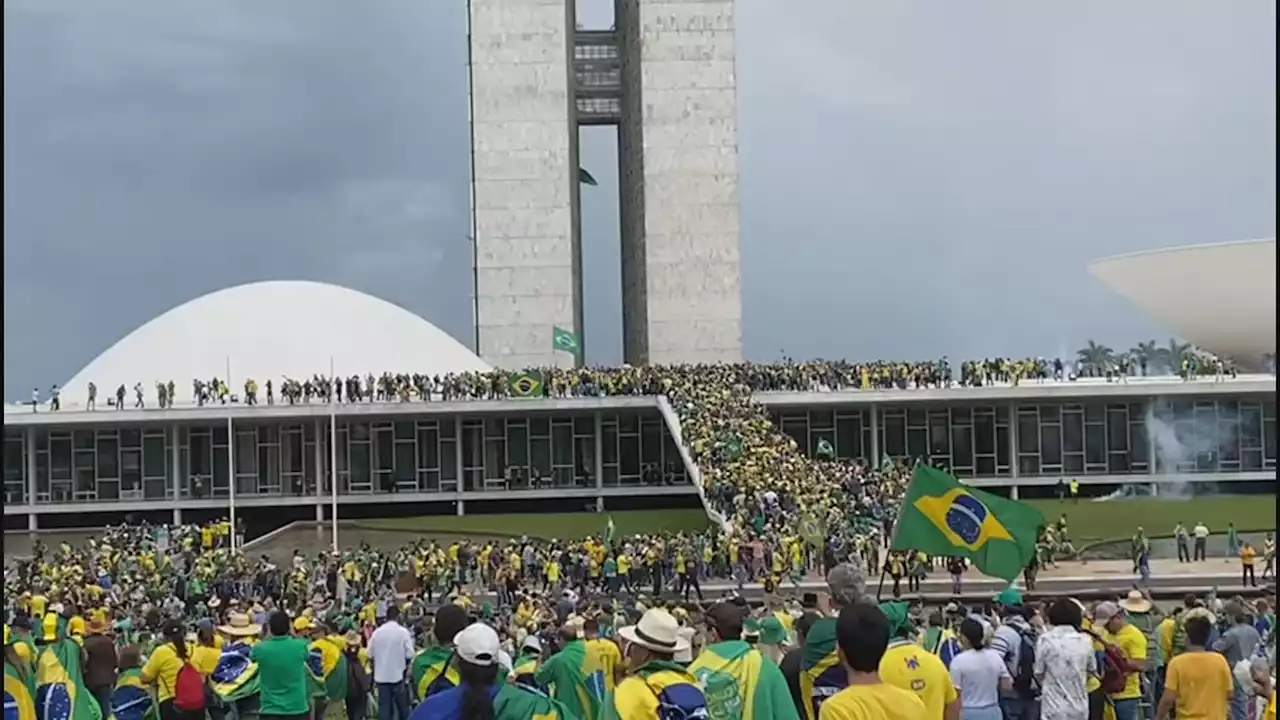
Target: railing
695,475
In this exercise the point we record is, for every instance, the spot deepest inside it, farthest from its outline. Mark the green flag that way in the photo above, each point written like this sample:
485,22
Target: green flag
886,464
585,178
825,451
529,383
565,340
733,449
940,516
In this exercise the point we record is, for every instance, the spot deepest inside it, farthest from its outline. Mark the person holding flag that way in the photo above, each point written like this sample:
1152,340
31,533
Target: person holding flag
60,691
739,682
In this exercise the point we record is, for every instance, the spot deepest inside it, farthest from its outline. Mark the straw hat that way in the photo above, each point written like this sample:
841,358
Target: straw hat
1136,602
353,638
657,631
238,625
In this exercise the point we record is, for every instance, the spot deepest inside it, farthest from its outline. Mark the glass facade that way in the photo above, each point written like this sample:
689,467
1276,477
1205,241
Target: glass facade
273,459
1055,439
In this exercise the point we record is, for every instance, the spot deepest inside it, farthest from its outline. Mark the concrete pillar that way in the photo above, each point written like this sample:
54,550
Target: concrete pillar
33,523
1152,447
29,453
599,503
177,516
319,513
1013,448
462,481
599,450
462,507
175,463
875,459
1013,492
321,461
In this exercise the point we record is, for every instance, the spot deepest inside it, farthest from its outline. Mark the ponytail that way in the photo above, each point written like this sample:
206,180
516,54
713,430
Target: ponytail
478,679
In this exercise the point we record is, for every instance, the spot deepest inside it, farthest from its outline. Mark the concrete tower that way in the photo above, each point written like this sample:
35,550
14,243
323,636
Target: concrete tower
664,76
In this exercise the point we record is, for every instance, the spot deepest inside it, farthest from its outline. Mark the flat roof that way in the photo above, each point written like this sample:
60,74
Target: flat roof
1083,389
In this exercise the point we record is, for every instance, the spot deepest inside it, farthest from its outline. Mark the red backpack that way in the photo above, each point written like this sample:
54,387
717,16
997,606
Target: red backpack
188,689
1112,675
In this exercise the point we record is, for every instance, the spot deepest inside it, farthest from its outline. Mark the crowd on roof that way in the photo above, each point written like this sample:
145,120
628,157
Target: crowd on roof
817,375
110,628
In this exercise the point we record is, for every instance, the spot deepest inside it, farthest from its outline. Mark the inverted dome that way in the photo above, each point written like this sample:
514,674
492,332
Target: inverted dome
268,331
1221,297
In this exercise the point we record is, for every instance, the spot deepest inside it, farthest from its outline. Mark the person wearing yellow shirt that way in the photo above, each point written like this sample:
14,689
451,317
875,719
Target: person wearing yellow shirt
862,634
907,665
1117,631
1198,682
162,670
1248,558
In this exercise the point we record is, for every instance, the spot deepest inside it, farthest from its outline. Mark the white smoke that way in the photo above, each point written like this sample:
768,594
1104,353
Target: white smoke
1172,448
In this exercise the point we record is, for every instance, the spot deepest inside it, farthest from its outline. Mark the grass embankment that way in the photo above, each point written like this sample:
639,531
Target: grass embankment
1091,522
1088,521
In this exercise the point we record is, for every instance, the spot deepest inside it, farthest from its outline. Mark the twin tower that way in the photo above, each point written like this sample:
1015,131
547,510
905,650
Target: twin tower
664,76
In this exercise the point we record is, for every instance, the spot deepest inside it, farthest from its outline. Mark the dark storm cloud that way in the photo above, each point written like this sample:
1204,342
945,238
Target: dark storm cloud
917,178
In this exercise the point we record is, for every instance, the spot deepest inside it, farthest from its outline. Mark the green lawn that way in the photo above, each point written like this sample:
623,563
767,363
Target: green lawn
551,525
1089,521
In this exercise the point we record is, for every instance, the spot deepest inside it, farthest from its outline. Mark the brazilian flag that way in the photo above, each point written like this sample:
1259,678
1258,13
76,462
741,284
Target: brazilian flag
527,384
60,691
941,516
19,693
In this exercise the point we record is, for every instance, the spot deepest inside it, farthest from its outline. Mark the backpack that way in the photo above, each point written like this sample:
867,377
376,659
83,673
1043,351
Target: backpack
1024,682
680,701
188,689
1111,667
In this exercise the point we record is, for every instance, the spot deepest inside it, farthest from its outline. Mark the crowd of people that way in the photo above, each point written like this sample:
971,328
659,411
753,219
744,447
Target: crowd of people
788,375
136,624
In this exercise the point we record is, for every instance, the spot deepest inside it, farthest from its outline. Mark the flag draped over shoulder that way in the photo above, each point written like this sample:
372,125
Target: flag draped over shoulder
940,516
516,702
739,684
236,676
821,674
131,700
576,677
60,691
332,666
428,666
19,694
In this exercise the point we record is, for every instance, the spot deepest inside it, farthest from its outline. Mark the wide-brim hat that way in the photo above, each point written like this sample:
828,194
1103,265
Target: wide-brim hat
1136,602
657,630
239,625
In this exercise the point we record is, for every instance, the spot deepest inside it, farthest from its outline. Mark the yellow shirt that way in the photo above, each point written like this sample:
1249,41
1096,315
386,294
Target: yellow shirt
1133,644
1202,683
610,658
908,666
163,666
1248,555
636,699
1271,708
205,658
873,702
1164,635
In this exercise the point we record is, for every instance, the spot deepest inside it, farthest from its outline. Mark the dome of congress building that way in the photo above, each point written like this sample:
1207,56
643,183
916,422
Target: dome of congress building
1220,297
269,331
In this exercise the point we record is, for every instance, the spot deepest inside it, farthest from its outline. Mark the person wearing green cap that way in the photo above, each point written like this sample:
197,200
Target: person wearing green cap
908,666
739,682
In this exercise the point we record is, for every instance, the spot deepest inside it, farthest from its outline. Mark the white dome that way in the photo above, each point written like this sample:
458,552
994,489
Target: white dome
1221,297
271,330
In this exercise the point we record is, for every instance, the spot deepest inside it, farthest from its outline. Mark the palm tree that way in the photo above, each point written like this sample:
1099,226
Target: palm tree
1095,358
1173,354
1146,355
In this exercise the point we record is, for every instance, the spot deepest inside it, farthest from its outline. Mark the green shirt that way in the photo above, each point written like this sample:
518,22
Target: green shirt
282,673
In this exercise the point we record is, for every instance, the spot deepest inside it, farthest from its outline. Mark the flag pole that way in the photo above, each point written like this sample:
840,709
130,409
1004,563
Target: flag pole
333,457
231,469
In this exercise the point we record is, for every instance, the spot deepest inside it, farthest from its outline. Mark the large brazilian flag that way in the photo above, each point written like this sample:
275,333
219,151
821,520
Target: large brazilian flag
941,516
19,694
60,691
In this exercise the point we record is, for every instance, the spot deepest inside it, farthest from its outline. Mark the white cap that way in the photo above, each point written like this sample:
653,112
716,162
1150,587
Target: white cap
531,643
477,644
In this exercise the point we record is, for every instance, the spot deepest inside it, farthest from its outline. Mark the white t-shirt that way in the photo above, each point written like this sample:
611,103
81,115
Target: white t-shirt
977,673
390,651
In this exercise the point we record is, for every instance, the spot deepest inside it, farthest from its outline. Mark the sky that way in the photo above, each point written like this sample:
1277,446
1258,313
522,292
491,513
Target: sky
918,178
